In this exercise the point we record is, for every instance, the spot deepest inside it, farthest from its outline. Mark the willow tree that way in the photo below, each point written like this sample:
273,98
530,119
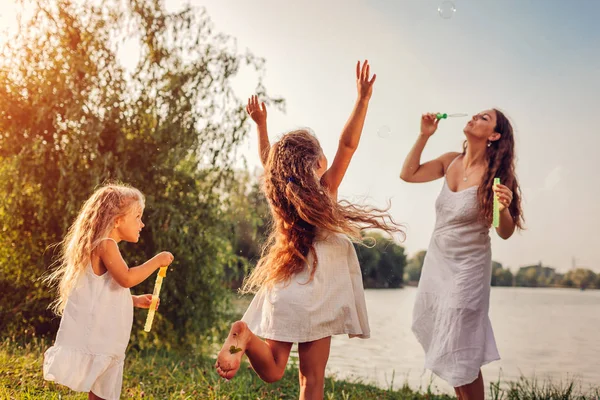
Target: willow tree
72,116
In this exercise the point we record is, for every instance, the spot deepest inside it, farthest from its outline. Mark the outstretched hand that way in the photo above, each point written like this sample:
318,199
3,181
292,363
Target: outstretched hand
364,85
258,112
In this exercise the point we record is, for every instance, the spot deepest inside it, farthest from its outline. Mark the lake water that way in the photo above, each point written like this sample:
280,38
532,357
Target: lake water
543,333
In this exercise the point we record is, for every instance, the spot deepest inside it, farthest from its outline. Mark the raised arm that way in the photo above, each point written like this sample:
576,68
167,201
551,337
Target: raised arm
109,253
412,169
258,113
352,130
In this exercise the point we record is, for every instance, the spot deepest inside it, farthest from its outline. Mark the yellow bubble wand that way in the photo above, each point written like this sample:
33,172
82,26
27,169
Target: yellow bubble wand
152,310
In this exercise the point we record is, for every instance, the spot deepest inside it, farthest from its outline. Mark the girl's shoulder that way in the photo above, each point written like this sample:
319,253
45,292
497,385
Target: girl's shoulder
105,244
328,238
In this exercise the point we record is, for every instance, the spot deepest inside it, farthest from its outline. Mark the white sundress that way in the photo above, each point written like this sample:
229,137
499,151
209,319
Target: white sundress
332,303
450,316
94,332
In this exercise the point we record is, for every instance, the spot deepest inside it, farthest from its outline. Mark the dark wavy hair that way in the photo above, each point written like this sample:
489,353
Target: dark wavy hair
500,157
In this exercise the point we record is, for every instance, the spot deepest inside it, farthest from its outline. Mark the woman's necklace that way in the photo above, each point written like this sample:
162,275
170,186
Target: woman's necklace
465,175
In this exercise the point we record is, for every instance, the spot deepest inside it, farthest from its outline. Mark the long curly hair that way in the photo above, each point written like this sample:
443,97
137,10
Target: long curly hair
300,206
500,156
93,223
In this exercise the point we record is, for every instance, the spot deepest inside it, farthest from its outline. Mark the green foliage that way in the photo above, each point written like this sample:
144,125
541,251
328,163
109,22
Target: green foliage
164,374
501,276
581,278
533,389
542,276
535,276
382,264
72,117
249,217
414,267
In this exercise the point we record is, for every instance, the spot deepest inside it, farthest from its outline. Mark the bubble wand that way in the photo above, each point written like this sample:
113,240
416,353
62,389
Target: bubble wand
157,285
496,216
444,115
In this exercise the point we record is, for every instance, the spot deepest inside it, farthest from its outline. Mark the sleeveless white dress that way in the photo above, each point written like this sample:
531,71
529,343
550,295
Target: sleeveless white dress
450,317
94,332
332,303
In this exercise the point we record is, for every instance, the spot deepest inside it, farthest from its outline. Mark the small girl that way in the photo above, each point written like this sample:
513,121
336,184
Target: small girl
94,299
308,281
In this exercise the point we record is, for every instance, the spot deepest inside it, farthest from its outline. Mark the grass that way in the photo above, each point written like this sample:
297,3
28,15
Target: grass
167,375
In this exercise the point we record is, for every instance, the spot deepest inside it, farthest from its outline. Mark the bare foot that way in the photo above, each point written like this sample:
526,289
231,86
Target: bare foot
230,356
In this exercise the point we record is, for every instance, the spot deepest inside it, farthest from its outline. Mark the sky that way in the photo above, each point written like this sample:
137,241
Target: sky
537,60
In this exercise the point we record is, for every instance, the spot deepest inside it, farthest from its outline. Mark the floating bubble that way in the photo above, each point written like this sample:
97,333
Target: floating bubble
446,9
384,131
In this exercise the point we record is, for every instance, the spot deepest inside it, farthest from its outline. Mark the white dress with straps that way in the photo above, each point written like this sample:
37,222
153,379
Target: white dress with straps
332,303
450,317
94,332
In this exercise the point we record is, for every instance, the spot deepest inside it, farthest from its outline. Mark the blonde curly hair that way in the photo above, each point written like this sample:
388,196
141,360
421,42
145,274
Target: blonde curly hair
94,223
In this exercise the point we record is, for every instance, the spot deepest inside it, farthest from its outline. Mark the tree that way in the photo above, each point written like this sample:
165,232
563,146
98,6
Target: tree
72,117
415,265
382,264
501,276
580,277
535,276
527,276
249,216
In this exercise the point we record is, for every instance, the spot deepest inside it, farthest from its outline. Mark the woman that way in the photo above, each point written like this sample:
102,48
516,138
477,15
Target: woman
450,318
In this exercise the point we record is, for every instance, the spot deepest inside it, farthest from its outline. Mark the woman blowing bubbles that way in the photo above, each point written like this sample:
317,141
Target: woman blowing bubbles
450,317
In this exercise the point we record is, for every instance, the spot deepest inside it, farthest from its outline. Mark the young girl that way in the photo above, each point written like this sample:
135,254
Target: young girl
94,298
450,317
309,282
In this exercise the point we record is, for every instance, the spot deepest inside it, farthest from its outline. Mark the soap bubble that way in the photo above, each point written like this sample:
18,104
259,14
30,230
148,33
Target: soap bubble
384,131
446,9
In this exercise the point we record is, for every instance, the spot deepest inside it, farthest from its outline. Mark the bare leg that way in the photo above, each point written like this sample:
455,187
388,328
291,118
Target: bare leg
472,391
457,391
313,360
268,358
92,396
